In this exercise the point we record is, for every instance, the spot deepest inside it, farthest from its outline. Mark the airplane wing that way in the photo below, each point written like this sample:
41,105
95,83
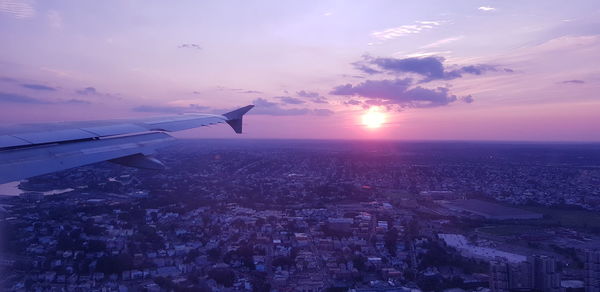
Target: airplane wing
35,149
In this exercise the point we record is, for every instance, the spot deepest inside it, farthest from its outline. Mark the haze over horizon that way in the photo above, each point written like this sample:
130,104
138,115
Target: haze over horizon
437,70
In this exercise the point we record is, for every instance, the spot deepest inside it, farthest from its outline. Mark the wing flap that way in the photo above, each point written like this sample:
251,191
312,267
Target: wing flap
10,141
188,123
103,131
54,136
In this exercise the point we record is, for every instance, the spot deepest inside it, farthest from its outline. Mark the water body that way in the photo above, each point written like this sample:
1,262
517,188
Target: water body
12,189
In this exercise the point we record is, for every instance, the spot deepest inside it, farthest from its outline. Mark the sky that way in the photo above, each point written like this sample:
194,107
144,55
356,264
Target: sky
437,70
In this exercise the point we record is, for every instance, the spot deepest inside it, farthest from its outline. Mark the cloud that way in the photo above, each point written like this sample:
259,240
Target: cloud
309,94
312,96
92,91
467,99
477,69
20,9
404,30
38,87
486,8
16,98
87,91
442,42
7,79
322,112
54,19
573,82
353,102
261,102
320,99
251,91
431,68
77,101
397,92
238,90
266,107
360,66
290,100
170,109
190,46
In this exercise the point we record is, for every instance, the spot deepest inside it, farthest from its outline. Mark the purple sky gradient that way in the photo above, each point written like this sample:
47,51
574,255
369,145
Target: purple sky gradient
443,70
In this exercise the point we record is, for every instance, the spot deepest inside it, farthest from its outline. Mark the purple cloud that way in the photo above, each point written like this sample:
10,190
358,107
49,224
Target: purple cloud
77,101
360,66
573,82
468,99
352,102
87,91
397,92
251,91
322,112
170,109
266,107
303,93
477,69
190,46
16,98
7,79
290,100
431,68
38,87
312,96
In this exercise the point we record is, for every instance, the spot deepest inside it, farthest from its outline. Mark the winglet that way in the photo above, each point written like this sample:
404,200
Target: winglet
234,118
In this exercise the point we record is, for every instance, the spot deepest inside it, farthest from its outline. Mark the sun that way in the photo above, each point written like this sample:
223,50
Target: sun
373,118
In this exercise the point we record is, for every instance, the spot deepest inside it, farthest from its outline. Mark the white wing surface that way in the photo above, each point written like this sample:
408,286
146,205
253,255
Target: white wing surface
35,149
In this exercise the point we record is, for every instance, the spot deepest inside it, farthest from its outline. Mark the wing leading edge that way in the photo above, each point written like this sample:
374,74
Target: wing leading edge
31,150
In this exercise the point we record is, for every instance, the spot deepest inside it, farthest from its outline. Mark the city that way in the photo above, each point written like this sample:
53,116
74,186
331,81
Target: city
313,215
300,146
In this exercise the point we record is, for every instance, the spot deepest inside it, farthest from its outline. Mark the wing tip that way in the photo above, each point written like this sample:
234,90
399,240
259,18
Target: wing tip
234,118
238,113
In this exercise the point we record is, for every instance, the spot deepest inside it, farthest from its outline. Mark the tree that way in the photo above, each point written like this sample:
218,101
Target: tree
283,261
391,240
224,277
359,262
214,254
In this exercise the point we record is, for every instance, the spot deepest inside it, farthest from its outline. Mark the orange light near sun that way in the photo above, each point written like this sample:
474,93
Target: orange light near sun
373,118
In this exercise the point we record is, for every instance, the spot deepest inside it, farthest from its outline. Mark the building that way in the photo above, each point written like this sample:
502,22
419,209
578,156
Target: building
537,273
499,276
344,224
592,271
522,276
546,277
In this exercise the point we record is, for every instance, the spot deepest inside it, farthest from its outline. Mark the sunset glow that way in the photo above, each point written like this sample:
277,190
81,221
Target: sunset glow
449,70
373,118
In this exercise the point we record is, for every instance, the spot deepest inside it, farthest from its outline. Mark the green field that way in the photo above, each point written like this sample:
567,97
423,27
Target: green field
568,217
553,216
507,230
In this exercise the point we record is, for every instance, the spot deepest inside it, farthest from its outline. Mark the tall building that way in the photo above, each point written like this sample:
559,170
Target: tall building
592,271
499,276
521,276
546,277
537,273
